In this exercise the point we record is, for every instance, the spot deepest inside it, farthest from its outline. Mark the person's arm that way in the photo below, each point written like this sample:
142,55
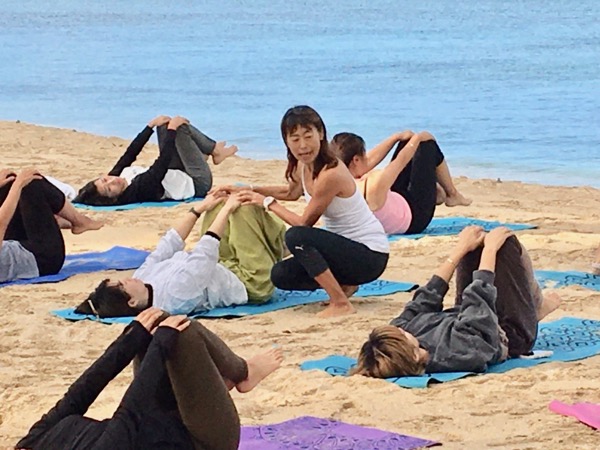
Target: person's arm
8,208
326,188
90,384
381,150
290,192
140,398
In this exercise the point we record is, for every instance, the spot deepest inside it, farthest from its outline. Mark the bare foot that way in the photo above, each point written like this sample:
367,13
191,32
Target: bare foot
349,290
440,195
220,152
337,310
260,367
550,302
86,224
457,200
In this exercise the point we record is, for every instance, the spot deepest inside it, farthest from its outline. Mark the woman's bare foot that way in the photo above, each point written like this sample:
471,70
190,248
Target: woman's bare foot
440,194
550,302
86,224
260,367
220,152
457,199
337,310
349,290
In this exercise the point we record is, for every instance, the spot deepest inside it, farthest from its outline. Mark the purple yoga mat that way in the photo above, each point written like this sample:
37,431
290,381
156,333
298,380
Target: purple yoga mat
588,413
315,433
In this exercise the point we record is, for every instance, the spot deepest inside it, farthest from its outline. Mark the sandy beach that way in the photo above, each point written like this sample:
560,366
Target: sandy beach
40,355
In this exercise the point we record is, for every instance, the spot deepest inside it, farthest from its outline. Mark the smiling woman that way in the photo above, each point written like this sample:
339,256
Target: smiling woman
353,249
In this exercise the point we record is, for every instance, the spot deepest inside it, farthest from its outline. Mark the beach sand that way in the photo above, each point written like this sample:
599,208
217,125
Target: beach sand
40,355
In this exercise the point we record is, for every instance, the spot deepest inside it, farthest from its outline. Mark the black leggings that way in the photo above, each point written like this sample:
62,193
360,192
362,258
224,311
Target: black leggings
35,226
417,183
519,295
316,250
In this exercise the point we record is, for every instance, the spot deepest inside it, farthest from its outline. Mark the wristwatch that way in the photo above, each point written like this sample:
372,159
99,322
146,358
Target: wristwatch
267,202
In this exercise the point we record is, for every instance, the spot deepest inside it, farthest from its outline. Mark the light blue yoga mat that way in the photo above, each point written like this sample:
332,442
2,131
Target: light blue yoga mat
117,258
281,300
550,278
568,338
165,204
448,226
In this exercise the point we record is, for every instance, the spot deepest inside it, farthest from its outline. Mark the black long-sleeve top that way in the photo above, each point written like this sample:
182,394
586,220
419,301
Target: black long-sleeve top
147,186
138,423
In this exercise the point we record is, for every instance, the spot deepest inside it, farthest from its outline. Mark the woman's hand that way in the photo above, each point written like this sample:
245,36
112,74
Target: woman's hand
470,238
177,121
178,323
148,317
426,136
404,135
159,121
6,176
227,189
233,202
248,197
496,238
26,176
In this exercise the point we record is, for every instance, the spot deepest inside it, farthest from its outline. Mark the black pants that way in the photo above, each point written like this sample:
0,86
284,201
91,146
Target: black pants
34,225
518,293
417,183
316,250
192,147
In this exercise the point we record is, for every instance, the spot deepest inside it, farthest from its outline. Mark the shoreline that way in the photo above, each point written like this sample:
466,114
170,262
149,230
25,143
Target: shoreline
40,355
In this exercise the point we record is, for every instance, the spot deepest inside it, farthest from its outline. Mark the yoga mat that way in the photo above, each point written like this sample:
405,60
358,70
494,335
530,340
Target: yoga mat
448,226
588,413
163,204
304,433
568,339
117,258
551,278
281,300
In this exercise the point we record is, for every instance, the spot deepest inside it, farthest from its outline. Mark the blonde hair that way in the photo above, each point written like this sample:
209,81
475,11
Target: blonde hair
388,353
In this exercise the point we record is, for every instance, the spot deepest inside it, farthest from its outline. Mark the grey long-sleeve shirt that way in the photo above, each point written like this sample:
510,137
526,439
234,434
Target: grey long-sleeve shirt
465,338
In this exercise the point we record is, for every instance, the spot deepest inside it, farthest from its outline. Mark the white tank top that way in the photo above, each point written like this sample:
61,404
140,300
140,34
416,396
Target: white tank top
351,217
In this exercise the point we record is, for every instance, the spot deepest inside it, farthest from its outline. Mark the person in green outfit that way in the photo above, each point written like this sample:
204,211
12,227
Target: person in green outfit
230,264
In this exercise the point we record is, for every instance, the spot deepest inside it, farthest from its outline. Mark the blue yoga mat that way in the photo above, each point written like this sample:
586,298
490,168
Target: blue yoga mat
569,339
550,278
448,226
165,204
281,300
117,258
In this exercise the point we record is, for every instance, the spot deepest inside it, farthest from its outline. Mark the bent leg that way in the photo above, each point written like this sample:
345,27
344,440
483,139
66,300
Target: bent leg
196,370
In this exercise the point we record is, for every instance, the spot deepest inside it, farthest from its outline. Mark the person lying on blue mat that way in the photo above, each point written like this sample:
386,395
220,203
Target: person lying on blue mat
245,239
497,308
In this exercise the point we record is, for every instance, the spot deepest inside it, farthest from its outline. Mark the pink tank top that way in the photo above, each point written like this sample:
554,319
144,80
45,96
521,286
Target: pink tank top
395,214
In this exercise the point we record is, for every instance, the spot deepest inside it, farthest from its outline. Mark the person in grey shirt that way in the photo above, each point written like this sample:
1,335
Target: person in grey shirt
31,242
497,310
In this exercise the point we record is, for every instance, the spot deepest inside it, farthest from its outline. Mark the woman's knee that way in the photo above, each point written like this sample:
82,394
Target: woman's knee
296,236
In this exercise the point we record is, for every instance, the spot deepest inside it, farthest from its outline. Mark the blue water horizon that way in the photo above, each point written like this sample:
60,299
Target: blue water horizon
510,89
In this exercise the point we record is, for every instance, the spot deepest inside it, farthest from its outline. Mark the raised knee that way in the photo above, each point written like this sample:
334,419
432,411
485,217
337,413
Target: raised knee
294,236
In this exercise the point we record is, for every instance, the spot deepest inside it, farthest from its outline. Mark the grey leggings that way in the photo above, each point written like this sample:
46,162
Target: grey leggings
193,148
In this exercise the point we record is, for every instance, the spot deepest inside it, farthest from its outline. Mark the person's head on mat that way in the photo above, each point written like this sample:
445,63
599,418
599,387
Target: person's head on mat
351,149
391,352
102,191
117,298
305,137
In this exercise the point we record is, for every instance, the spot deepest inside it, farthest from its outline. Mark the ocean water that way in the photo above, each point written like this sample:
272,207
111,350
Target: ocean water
511,89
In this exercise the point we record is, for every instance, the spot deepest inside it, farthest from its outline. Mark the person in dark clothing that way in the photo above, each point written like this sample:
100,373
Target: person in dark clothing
404,194
179,398
498,306
31,243
179,172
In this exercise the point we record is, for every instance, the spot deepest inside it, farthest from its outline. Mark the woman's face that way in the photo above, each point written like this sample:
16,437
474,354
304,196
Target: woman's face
110,186
305,143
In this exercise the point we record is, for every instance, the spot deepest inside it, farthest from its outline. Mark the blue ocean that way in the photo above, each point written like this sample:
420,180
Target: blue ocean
511,89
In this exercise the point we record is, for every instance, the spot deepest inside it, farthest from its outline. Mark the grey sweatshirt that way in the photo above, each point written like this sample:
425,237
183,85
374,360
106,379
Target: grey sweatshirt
465,338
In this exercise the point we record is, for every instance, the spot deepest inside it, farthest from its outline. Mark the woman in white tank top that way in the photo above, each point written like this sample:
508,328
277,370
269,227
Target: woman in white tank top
353,249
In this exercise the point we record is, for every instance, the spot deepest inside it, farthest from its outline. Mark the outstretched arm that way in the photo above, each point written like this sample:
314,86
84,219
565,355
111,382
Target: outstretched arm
381,150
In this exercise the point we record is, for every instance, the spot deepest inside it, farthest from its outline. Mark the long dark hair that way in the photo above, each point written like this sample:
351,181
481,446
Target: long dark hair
305,116
348,145
89,195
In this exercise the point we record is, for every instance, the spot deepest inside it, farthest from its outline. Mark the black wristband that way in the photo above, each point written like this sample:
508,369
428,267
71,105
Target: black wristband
194,212
215,235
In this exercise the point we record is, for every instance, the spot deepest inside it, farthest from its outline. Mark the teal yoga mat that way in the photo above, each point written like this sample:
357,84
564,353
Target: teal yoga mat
551,278
164,204
281,300
448,226
569,339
